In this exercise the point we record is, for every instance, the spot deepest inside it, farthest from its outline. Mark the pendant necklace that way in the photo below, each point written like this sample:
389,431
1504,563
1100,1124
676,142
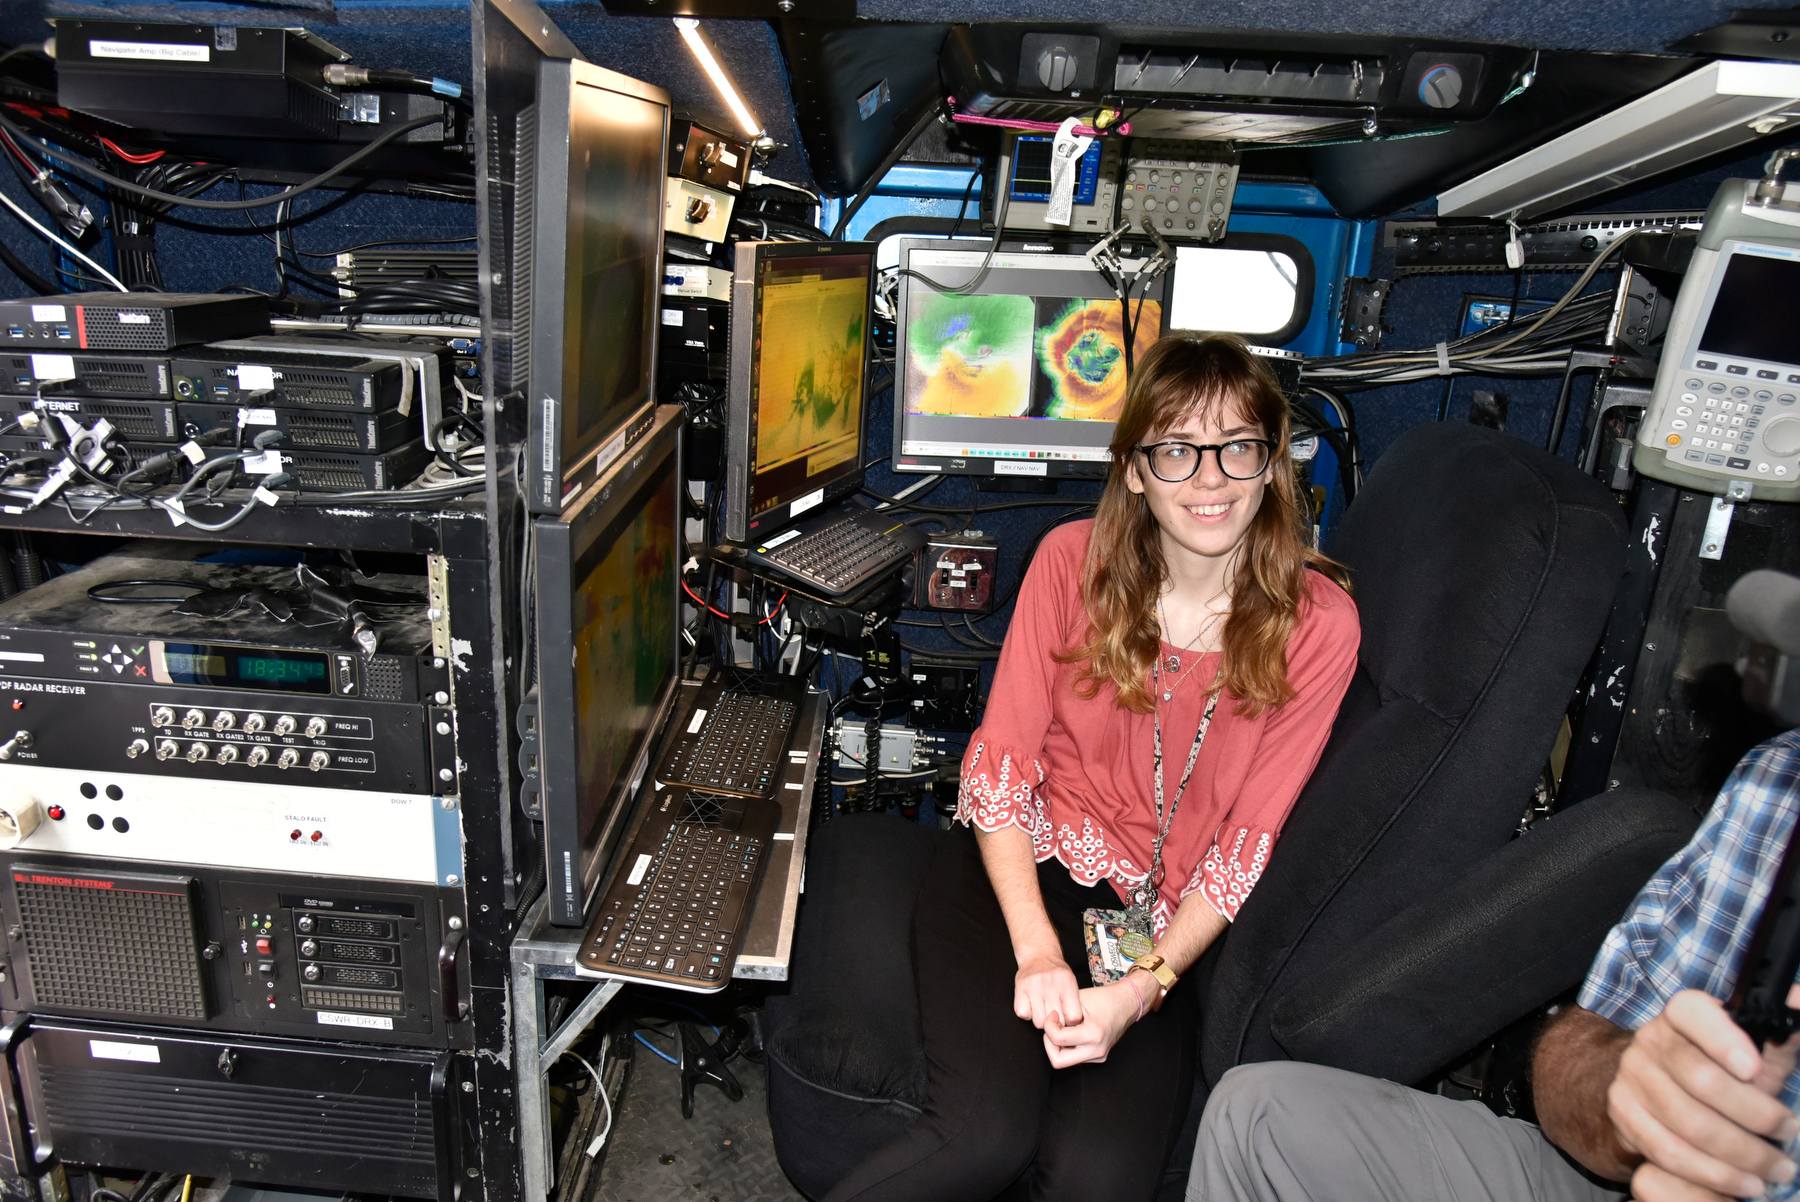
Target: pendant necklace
1173,663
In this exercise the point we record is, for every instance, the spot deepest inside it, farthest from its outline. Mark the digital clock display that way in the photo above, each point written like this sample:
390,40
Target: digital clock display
248,668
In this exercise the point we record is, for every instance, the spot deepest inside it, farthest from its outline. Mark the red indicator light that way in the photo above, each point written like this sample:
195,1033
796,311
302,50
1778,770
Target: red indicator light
294,835
317,835
57,813
18,704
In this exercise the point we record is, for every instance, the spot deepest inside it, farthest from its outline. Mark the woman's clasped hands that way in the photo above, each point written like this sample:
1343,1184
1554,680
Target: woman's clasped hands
1045,991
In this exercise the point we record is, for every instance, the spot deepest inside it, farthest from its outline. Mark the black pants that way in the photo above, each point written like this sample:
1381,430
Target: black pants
997,1115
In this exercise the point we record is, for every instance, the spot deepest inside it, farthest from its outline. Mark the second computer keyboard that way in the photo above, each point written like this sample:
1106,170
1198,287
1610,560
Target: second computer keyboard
839,555
740,738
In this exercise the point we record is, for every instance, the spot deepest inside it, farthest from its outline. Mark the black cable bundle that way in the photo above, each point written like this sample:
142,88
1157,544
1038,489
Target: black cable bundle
28,566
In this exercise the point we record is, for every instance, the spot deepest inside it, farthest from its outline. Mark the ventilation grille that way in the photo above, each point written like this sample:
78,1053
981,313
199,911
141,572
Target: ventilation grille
136,1107
320,388
338,999
360,978
382,681
110,944
325,431
524,243
1171,71
357,953
106,333
133,421
311,108
356,928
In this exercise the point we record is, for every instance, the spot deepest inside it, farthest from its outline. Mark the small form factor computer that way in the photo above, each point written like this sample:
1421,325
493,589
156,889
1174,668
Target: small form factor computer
795,440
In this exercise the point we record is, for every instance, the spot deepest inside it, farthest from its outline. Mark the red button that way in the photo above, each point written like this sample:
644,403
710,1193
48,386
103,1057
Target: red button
264,947
57,813
317,835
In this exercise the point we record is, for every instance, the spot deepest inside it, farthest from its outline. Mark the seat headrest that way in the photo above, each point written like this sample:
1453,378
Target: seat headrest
1444,587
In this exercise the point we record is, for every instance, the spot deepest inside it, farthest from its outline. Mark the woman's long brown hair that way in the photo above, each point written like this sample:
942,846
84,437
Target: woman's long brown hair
1124,572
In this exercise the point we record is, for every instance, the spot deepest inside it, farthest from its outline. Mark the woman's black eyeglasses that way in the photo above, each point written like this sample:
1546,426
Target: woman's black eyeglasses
1241,458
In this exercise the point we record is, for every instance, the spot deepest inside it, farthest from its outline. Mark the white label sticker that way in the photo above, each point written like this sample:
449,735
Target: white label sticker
134,319
254,378
611,451
106,1049
698,720
265,464
159,52
671,317
788,838
256,417
49,313
194,454
786,536
53,367
1012,467
265,496
370,1022
638,869
729,158
811,500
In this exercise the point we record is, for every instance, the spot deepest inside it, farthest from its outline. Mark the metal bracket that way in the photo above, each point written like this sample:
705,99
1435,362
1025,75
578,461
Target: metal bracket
437,577
1718,526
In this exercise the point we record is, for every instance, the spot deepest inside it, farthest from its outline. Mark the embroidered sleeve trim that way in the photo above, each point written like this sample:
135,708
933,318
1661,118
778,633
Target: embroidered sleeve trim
1225,880
1004,793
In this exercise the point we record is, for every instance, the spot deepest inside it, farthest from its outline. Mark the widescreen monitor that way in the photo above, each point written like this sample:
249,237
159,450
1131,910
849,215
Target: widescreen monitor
588,270
1023,374
608,656
799,362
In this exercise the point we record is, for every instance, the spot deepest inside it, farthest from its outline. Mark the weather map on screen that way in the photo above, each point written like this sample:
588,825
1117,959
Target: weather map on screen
1020,356
624,623
811,372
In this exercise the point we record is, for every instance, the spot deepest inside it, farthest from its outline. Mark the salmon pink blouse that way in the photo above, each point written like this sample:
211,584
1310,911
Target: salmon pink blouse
1075,774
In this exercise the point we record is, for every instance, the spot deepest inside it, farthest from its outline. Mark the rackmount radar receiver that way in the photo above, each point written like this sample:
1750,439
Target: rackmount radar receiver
235,786
1724,417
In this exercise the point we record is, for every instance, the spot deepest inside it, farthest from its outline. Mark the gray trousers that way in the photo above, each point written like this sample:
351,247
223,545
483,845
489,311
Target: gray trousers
1287,1132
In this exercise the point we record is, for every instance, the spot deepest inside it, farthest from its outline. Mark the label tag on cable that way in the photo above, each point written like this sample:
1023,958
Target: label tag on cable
265,496
265,464
175,510
252,378
1065,165
52,367
194,454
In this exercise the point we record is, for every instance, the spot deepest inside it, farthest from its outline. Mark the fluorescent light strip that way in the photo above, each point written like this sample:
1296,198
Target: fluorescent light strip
690,33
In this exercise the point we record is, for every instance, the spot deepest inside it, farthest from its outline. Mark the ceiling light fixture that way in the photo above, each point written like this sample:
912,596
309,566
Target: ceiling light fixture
690,33
1721,105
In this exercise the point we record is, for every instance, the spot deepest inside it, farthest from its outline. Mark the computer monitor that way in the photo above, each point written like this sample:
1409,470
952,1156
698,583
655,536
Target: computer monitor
590,195
608,657
1023,375
799,360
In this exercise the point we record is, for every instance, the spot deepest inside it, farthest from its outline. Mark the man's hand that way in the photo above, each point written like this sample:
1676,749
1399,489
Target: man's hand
1045,986
1695,1099
1106,1014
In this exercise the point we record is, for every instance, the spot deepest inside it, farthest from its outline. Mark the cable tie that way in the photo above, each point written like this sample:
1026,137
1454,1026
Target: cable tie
1443,358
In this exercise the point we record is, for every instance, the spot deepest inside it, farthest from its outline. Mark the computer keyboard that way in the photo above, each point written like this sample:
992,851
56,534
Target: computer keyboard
840,555
739,746
680,911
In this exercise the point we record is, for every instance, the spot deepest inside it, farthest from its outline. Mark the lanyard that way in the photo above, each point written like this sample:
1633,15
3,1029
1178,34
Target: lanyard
1143,897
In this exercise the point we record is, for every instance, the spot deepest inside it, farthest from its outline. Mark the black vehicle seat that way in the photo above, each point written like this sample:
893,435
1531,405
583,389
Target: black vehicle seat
1400,921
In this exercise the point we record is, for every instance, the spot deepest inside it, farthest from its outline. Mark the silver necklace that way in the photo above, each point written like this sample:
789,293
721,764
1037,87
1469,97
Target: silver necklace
1173,663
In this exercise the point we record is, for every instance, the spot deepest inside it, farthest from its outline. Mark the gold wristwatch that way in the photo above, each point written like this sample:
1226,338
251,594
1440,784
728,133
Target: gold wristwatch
1158,968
